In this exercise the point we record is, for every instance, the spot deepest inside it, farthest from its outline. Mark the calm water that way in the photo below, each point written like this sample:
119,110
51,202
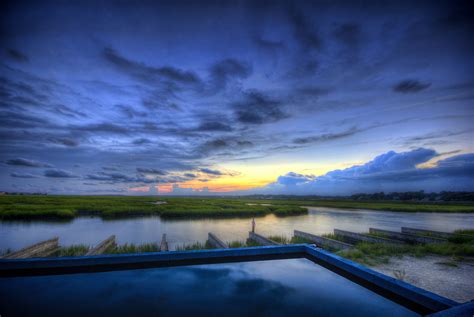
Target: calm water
295,287
90,231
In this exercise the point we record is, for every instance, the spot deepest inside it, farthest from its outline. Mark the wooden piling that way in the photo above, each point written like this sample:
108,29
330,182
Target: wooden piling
439,234
103,246
216,242
322,241
261,239
164,243
39,249
358,237
411,238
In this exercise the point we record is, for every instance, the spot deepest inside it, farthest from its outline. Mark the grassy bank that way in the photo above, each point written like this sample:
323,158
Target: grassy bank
81,249
377,253
68,207
405,206
372,254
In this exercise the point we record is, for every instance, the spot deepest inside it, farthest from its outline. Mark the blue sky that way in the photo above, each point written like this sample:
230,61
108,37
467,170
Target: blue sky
198,97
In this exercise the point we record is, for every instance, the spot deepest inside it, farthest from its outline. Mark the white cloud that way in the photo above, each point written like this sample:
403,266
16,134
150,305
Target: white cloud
388,172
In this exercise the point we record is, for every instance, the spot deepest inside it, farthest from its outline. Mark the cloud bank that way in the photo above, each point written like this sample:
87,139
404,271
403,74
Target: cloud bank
387,172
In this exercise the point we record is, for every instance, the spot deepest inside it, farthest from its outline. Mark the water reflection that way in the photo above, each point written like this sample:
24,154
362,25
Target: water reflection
294,287
91,230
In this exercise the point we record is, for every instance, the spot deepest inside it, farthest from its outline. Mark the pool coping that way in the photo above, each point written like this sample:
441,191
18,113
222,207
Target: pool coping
405,294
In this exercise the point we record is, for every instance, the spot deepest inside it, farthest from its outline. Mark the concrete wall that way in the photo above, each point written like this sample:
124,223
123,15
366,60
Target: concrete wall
406,237
357,237
322,241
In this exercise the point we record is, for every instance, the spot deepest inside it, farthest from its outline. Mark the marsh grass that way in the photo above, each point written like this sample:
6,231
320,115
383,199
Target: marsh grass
465,231
378,253
236,244
447,263
194,246
280,239
68,207
134,248
73,250
5,252
400,274
298,240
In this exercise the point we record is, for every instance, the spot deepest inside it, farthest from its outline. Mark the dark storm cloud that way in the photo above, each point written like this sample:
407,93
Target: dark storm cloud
58,173
224,146
148,73
131,112
328,136
27,162
23,175
178,94
19,120
141,141
64,141
110,168
258,108
313,91
410,86
17,55
22,93
305,34
68,112
214,126
309,43
216,144
348,33
268,45
428,139
190,175
151,171
229,69
211,171
105,127
113,176
139,178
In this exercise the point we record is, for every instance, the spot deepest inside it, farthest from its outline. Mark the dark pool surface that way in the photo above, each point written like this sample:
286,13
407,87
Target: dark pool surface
295,287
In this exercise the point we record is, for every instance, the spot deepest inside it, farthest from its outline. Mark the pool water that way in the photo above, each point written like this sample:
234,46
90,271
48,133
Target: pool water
295,287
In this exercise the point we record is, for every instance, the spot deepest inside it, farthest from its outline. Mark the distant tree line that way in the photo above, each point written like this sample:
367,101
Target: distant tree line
417,196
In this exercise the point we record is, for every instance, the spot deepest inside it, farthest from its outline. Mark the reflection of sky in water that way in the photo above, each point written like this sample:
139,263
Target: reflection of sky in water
149,229
294,287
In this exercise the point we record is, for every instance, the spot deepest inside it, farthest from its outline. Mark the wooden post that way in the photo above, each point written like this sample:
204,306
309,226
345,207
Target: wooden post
36,250
411,238
216,242
358,237
261,239
253,225
164,243
103,246
322,241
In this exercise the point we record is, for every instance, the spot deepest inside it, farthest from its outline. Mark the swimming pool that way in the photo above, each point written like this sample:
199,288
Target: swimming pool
296,287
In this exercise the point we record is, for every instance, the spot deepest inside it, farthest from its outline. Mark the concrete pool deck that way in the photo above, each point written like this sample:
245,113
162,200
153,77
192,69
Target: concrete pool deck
439,274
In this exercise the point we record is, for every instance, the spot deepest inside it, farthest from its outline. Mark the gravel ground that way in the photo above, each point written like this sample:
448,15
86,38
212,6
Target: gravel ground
440,275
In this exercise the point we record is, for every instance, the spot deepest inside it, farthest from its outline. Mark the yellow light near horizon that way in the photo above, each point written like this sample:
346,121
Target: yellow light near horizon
258,175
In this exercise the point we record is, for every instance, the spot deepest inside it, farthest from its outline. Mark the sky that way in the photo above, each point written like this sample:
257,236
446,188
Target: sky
236,97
